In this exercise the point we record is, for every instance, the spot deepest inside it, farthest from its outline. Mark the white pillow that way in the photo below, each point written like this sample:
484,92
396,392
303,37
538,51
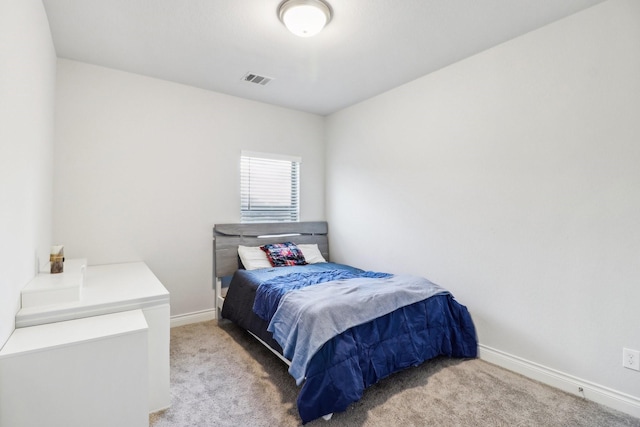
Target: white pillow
311,253
253,257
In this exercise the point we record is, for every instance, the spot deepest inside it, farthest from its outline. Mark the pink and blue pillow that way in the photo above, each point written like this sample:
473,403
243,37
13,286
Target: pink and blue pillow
284,254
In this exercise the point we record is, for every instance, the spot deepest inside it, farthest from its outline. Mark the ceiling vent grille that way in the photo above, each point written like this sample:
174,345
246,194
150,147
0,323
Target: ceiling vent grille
257,79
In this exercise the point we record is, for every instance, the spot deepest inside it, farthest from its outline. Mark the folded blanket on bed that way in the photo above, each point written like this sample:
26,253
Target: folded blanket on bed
307,318
270,291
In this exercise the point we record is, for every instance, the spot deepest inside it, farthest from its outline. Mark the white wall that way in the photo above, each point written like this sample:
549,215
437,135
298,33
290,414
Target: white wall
145,168
511,178
27,88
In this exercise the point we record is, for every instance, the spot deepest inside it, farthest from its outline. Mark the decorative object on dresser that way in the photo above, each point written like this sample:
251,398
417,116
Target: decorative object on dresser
56,258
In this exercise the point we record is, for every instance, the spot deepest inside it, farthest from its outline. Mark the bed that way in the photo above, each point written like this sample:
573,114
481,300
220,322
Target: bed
306,314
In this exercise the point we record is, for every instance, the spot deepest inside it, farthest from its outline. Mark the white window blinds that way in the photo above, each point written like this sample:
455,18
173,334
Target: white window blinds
269,187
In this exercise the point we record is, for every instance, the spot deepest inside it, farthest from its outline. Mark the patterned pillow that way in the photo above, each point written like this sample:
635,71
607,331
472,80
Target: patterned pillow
284,254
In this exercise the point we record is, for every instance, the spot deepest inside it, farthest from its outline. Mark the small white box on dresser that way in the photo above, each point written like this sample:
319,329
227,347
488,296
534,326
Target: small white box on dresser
50,289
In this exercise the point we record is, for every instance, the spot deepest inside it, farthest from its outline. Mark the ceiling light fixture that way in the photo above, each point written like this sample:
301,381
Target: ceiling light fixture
304,18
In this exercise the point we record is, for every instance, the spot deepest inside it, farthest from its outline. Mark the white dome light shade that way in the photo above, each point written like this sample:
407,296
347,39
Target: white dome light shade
304,18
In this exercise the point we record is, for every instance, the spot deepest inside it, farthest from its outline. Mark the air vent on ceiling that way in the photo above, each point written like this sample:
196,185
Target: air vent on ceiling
257,79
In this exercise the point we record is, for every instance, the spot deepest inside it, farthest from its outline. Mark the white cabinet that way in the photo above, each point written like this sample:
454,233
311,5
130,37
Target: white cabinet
117,288
77,373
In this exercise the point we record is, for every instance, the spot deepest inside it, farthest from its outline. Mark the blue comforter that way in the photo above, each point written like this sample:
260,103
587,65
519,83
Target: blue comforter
339,371
361,356
307,318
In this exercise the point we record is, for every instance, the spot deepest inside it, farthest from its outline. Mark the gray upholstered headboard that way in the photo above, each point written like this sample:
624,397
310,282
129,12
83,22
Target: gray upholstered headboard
227,237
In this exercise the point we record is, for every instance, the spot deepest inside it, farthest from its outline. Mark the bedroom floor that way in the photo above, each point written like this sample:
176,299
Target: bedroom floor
221,376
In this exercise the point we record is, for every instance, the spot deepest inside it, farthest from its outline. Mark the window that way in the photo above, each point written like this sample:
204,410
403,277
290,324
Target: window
269,187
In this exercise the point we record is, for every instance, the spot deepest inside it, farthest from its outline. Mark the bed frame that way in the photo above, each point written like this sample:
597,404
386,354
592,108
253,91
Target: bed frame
227,237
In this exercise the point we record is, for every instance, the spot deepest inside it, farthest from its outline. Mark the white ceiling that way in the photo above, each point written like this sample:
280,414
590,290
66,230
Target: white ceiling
369,47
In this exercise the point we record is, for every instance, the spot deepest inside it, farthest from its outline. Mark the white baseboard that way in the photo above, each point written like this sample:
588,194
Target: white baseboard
196,317
594,392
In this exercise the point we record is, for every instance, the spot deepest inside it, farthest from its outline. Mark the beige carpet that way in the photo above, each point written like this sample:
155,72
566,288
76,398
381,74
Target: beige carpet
221,376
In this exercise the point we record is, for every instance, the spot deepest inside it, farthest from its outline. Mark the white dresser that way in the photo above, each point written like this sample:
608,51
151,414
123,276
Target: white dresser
83,372
117,288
